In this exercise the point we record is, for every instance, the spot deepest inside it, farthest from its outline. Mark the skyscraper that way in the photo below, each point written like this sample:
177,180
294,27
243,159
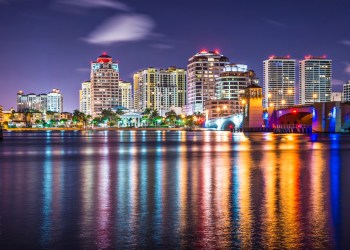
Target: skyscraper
144,88
85,98
159,89
104,84
202,69
315,79
179,77
125,94
346,92
55,101
279,82
231,83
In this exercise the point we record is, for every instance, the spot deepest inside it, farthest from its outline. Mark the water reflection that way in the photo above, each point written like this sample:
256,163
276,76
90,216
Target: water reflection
177,189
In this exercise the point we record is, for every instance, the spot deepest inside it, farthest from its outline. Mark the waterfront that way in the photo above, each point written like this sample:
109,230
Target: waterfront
173,189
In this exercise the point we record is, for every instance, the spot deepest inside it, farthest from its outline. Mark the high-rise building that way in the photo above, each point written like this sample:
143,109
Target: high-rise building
144,88
105,93
231,84
43,102
159,89
55,101
179,77
85,98
126,94
279,82
315,79
202,69
346,92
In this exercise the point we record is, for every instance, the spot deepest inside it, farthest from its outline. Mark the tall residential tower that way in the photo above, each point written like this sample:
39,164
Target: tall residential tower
105,93
315,80
346,92
160,89
231,84
202,69
85,98
279,82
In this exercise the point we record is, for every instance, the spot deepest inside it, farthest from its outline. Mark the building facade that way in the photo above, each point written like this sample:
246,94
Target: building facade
202,70
315,80
85,98
337,97
55,101
125,94
346,92
104,79
231,83
52,101
159,89
218,108
279,82
31,102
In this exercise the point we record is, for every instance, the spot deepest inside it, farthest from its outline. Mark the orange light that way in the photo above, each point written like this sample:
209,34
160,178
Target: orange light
294,111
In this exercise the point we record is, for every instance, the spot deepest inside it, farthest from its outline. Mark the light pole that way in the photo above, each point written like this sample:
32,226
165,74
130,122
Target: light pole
314,97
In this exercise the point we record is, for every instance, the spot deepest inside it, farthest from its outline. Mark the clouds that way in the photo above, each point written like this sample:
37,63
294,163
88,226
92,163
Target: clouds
95,4
345,42
122,28
275,23
162,46
347,68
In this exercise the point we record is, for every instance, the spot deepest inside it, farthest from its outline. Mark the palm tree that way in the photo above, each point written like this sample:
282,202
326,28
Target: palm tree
153,116
171,117
79,117
110,116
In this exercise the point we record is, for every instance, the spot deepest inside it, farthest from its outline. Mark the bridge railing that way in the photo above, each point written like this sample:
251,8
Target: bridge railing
293,128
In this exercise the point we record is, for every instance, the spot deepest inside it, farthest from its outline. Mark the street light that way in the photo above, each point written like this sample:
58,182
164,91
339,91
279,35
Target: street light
314,97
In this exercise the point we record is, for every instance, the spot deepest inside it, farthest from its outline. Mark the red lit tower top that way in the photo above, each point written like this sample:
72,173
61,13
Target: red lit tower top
104,58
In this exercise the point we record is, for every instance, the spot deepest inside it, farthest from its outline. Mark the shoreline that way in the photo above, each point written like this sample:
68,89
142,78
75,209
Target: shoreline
101,129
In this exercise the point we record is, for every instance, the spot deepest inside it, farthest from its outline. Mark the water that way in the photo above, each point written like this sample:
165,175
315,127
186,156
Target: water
173,189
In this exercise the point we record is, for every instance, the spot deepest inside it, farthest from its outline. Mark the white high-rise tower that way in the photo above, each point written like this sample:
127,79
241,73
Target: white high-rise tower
105,93
315,80
279,82
202,70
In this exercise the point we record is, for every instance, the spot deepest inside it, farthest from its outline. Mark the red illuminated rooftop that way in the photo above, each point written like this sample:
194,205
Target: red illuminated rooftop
104,58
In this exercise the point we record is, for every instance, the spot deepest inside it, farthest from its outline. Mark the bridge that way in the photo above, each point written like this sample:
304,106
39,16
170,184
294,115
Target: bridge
331,117
226,122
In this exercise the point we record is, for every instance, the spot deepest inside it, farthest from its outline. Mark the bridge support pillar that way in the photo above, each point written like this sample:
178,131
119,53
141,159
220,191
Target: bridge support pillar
326,117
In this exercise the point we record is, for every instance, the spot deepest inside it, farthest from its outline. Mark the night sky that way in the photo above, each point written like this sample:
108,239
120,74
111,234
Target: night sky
49,44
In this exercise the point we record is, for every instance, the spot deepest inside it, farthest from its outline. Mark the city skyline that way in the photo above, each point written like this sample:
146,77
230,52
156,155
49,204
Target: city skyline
54,41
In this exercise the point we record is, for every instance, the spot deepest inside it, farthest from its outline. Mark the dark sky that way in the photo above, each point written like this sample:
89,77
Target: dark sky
49,44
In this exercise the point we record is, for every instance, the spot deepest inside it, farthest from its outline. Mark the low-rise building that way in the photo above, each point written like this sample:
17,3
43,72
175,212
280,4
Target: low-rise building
337,96
218,108
52,101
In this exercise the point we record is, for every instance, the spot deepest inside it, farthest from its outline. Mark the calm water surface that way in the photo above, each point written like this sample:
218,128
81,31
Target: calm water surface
174,189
